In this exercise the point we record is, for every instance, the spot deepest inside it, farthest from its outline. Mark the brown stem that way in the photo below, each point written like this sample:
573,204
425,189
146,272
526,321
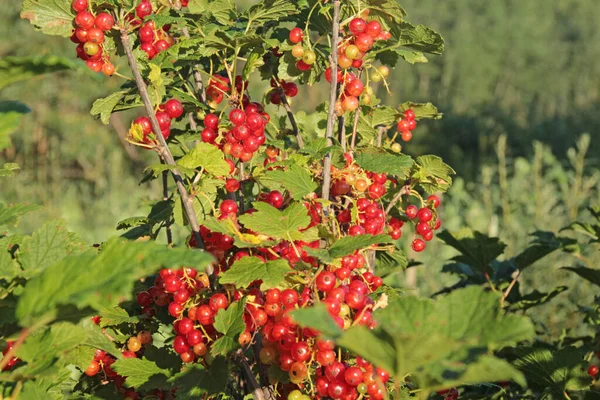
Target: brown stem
250,379
165,184
292,119
263,373
380,131
405,190
197,74
13,350
332,99
162,148
342,131
509,288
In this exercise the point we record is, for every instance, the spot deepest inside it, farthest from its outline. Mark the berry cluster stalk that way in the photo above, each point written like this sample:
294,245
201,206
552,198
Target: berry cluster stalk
162,149
331,116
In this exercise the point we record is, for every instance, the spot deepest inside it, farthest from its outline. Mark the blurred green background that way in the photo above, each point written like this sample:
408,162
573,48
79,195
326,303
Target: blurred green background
518,84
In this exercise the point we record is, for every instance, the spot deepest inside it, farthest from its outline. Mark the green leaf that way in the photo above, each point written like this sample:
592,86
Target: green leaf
280,225
412,56
389,262
109,277
560,370
229,322
139,371
8,168
255,60
543,244
380,161
14,69
476,249
590,274
224,11
419,38
206,156
432,174
249,269
53,17
194,379
422,110
48,245
535,299
296,180
383,116
9,268
270,10
317,317
10,214
81,356
348,245
116,316
96,339
105,106
468,315
11,113
42,349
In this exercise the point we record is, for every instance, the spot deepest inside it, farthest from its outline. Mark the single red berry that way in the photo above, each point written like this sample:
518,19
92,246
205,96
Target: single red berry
79,5
418,245
373,28
104,21
411,211
228,207
275,198
95,35
325,281
211,121
232,185
424,214
143,9
409,114
593,370
435,201
296,35
357,25
85,20
174,108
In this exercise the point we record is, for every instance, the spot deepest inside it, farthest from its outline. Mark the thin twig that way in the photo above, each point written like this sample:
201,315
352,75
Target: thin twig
332,99
197,73
162,148
342,131
404,190
263,373
380,131
509,288
250,379
165,184
292,119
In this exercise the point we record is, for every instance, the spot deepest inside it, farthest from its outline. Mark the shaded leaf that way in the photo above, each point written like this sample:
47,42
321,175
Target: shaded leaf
590,274
194,379
476,249
317,317
10,213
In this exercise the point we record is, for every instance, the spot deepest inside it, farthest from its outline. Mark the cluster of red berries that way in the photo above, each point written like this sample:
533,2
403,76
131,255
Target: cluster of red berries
153,40
282,87
165,114
361,39
245,134
407,124
298,351
217,87
305,57
102,364
428,222
11,363
89,36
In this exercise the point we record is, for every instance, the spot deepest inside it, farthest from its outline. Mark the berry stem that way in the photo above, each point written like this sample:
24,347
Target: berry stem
165,187
404,190
509,288
331,116
162,149
257,391
290,114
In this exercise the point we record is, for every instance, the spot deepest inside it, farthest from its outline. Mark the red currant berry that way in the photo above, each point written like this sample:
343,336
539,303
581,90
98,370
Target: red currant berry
228,207
174,108
296,35
357,25
418,245
104,21
79,5
411,211
143,9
